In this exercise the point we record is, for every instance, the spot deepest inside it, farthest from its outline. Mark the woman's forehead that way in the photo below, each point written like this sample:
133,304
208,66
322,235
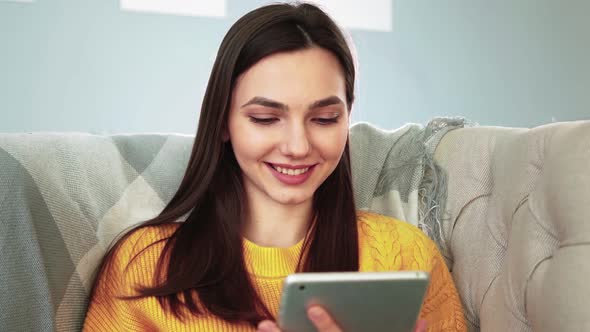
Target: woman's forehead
300,76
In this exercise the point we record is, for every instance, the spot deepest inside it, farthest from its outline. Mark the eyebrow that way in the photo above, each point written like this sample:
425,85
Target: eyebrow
262,101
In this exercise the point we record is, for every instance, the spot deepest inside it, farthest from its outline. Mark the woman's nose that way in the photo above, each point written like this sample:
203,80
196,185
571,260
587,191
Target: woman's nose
295,143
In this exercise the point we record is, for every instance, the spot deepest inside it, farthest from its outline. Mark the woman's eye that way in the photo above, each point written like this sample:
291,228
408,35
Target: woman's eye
326,121
263,121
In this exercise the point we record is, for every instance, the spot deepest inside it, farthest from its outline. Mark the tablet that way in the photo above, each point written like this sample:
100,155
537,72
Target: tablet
357,301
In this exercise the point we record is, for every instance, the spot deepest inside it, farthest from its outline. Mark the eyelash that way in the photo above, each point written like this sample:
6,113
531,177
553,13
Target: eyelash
325,122
269,121
263,121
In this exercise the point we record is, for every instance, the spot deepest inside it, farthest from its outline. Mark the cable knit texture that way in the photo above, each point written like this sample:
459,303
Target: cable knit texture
385,245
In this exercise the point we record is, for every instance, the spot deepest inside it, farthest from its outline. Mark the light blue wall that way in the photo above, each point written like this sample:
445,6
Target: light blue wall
80,65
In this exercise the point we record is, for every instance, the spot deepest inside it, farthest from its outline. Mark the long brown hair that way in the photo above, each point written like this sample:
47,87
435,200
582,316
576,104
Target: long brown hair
211,193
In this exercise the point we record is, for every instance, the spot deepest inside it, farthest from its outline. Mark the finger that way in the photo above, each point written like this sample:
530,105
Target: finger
268,326
322,320
420,325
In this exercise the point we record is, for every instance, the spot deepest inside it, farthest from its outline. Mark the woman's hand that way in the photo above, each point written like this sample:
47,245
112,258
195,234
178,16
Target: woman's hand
323,322
318,316
420,325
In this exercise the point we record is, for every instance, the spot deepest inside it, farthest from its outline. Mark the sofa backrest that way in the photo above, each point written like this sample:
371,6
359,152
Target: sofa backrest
518,225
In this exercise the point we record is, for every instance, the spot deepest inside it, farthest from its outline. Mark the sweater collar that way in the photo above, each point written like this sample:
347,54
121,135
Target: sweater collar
271,261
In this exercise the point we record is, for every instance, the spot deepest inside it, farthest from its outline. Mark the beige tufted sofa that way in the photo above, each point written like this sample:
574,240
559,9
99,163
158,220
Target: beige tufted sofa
518,230
515,228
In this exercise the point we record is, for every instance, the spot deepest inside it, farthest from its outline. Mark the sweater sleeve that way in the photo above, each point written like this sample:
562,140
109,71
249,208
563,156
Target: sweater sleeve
442,307
106,310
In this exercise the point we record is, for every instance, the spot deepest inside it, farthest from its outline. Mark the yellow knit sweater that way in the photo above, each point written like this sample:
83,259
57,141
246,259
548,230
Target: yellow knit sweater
385,245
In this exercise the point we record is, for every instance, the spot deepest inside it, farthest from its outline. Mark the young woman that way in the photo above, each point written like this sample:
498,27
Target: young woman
267,192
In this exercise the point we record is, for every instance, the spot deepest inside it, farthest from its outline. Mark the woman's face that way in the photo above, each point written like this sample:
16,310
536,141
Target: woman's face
288,124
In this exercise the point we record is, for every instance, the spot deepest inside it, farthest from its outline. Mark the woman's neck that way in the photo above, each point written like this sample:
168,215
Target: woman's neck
270,224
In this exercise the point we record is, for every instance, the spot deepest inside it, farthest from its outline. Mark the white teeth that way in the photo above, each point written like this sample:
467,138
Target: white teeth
290,171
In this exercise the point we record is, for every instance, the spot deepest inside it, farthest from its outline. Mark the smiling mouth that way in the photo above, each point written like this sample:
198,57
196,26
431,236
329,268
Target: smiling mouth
290,171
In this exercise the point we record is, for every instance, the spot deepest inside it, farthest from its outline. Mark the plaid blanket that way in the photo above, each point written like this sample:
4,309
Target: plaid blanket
65,196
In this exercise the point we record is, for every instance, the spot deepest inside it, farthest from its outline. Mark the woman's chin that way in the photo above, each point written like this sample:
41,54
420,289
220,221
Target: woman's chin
292,200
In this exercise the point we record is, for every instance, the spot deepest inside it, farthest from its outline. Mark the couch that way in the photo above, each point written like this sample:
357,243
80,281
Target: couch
508,207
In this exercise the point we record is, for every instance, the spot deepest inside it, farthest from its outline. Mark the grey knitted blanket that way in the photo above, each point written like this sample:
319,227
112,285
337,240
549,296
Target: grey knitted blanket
64,197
